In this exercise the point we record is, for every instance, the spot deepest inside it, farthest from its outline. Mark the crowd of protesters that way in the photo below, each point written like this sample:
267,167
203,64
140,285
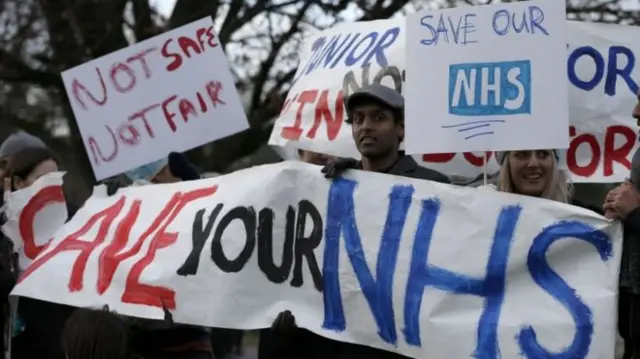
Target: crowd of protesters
46,330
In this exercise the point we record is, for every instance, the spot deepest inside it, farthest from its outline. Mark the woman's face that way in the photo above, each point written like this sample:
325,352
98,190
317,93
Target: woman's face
45,167
531,171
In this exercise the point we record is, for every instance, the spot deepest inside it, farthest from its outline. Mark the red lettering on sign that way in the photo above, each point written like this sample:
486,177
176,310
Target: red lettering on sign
140,293
168,115
142,115
438,157
333,115
93,145
77,88
572,162
188,47
129,134
213,89
141,56
620,154
123,68
333,119
186,107
477,161
123,79
294,132
73,243
607,154
603,155
44,197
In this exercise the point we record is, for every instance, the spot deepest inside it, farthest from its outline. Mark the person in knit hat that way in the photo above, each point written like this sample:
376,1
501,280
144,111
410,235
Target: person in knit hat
15,143
19,141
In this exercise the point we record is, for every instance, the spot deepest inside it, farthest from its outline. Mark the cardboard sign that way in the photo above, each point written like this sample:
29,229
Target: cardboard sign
603,87
405,265
487,78
173,92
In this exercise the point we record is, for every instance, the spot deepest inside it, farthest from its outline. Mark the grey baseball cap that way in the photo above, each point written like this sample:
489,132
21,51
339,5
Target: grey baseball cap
19,141
376,92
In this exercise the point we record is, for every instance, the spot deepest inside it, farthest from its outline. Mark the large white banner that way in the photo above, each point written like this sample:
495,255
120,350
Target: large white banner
603,84
420,268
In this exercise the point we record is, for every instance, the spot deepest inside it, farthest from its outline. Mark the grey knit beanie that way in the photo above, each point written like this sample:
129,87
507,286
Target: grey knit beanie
19,141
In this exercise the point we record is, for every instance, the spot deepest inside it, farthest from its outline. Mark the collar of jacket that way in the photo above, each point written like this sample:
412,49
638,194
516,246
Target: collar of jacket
404,164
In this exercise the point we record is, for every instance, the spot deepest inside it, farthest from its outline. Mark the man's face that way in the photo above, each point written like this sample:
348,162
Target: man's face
374,130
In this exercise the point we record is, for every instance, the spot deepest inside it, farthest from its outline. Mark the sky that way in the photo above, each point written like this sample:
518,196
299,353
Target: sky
166,6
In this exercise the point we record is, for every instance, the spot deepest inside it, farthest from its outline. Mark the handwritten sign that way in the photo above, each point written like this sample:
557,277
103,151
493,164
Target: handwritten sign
487,78
415,267
173,92
603,90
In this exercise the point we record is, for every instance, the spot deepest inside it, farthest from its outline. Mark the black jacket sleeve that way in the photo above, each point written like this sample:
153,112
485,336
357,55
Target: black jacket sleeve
632,222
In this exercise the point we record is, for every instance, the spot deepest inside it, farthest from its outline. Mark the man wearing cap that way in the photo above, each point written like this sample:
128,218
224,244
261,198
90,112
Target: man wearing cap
376,115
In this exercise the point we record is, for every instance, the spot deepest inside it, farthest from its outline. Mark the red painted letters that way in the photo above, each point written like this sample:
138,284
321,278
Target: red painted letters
46,196
140,293
73,243
111,257
122,78
204,38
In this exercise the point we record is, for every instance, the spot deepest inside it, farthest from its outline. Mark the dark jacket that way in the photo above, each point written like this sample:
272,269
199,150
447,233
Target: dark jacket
629,294
406,166
43,324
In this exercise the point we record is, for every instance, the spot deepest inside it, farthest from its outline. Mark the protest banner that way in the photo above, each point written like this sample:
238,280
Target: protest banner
33,215
603,86
172,92
487,74
416,267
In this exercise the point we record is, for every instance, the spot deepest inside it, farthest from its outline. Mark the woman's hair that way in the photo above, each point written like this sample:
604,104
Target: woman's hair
96,334
559,188
25,161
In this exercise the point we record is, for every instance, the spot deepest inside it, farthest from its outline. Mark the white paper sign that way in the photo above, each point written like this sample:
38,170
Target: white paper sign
173,92
487,78
603,87
405,265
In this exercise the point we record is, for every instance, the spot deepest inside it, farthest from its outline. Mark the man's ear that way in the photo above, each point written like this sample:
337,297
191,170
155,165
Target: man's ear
400,130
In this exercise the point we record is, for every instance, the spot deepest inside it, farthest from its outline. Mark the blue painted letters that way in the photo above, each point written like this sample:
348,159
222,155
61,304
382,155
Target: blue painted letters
553,284
341,219
378,291
422,274
504,21
483,89
350,49
608,69
459,30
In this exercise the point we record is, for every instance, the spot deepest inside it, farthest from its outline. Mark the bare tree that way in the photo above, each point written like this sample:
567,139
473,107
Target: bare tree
41,38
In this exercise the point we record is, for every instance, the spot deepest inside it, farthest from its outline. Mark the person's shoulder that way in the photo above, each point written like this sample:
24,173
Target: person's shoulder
431,175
